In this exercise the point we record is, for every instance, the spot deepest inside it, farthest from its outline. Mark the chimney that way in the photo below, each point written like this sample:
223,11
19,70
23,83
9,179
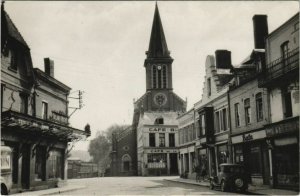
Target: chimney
49,67
223,59
260,28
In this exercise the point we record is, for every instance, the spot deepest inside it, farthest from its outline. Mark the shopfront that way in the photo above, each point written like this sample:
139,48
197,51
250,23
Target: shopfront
283,140
251,150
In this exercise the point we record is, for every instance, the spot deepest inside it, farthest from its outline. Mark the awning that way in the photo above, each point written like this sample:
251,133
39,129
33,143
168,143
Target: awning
11,119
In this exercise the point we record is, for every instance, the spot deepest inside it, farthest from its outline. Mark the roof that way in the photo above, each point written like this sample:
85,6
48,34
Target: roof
50,80
148,118
158,45
9,28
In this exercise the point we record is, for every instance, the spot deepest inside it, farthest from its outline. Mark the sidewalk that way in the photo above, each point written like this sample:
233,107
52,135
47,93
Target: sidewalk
257,190
53,191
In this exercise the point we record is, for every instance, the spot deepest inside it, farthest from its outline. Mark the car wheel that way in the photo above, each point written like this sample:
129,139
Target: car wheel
223,187
4,190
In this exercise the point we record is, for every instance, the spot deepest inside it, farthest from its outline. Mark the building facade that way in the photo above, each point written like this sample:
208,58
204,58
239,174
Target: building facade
34,115
123,155
186,144
280,76
155,113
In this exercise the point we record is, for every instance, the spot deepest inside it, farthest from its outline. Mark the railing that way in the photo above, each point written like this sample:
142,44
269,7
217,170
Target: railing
281,66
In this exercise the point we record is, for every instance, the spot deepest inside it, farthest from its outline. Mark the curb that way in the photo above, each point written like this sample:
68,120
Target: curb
193,183
52,191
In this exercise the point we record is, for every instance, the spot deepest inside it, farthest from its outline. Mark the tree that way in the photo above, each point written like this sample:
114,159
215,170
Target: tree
100,147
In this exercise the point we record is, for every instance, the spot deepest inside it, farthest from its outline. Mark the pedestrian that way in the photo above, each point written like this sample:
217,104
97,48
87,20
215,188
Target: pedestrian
203,172
198,173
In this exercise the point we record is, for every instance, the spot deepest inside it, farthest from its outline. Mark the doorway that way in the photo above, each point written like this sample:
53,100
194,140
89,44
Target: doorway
173,164
25,174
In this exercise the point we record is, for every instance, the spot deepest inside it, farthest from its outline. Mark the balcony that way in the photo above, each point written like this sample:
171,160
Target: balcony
27,124
280,70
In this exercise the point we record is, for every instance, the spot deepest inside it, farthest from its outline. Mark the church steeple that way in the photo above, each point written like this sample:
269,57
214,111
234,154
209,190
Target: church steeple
158,45
158,63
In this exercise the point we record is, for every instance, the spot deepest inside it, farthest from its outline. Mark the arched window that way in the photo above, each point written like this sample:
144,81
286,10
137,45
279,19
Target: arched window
159,76
126,162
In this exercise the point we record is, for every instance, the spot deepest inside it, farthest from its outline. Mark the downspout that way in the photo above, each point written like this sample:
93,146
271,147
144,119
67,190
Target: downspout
230,127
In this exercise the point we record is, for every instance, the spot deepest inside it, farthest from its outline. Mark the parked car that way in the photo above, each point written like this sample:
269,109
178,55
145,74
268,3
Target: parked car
231,177
6,170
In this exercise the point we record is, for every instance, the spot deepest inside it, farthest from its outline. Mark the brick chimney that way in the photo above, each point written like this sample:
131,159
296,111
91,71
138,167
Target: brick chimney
49,67
223,59
260,28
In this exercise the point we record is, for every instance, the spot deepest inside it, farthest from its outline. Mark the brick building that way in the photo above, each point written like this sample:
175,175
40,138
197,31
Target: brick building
123,154
34,115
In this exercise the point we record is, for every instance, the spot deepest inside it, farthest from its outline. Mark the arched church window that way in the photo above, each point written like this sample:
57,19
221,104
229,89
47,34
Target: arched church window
164,69
154,76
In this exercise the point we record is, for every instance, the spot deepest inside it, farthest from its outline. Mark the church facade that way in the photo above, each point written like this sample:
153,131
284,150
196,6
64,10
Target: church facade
155,124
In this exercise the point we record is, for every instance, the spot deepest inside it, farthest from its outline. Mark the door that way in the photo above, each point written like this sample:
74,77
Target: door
173,164
25,175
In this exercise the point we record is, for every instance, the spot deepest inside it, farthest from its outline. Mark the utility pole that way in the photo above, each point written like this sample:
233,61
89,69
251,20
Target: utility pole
80,102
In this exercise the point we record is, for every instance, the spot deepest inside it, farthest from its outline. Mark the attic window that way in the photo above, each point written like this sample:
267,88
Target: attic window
159,121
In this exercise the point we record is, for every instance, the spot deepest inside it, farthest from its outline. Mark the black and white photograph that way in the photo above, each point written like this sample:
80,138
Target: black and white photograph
150,97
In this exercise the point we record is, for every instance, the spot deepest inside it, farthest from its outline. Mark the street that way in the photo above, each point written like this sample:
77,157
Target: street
137,186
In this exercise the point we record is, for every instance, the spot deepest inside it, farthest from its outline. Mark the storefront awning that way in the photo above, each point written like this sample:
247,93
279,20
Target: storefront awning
24,122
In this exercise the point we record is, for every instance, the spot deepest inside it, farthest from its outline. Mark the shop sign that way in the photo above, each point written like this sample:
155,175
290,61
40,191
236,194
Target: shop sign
162,151
282,128
161,129
247,137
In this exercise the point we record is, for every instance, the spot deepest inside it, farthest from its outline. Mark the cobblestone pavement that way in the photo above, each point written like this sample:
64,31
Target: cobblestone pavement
137,186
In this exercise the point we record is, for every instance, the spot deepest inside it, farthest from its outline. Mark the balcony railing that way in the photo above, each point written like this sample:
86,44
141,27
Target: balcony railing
281,67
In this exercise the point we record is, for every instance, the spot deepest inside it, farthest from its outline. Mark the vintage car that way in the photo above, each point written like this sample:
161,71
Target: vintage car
6,171
231,177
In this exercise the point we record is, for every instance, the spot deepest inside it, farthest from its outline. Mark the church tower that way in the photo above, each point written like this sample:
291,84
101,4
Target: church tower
158,64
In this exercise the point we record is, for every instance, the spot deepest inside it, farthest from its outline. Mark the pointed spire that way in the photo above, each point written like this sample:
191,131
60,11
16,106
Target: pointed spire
158,45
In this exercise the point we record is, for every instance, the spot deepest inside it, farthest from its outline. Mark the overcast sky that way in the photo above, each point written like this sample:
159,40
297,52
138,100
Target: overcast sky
99,47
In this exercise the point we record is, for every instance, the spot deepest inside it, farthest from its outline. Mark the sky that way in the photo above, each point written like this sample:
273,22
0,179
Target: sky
99,46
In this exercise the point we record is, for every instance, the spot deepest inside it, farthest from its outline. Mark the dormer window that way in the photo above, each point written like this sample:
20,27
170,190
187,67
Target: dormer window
14,57
159,121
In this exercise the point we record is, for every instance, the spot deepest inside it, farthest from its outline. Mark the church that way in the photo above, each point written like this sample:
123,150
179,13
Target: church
154,128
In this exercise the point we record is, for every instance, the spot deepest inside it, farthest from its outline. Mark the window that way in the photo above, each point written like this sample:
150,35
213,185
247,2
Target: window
224,119
152,139
161,140
159,76
24,103
14,58
237,114
171,140
44,110
247,111
208,86
154,77
159,121
157,160
255,165
222,154
287,103
259,107
164,68
217,122
202,125
284,52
